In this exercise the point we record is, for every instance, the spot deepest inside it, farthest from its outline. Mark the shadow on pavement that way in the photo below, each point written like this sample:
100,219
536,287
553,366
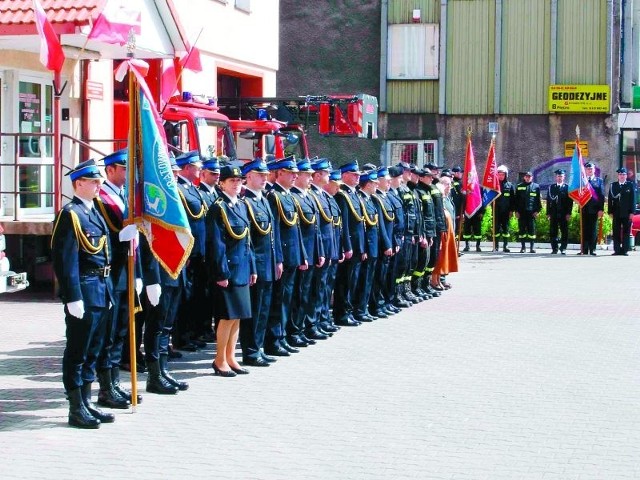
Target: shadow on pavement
15,403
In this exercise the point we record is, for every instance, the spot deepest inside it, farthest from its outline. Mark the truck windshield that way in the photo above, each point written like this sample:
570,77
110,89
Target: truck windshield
215,138
292,143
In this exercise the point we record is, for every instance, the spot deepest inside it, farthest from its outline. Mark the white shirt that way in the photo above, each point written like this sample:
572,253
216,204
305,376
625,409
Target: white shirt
257,193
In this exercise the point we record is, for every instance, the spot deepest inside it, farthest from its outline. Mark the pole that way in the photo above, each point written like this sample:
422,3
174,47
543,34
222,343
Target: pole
493,224
133,116
57,154
581,239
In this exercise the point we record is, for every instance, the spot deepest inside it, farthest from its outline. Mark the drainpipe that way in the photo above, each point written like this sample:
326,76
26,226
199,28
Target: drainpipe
497,74
442,99
384,26
554,42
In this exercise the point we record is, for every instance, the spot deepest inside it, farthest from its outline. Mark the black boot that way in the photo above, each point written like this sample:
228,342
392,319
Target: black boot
79,416
124,393
164,371
413,288
156,383
104,417
400,301
108,396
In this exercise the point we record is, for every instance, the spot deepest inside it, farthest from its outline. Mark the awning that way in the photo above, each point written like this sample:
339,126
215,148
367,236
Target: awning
161,32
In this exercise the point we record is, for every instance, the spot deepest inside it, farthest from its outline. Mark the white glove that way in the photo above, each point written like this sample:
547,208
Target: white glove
153,294
138,286
76,308
128,233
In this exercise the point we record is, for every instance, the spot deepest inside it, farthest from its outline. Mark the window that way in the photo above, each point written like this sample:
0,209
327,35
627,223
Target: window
413,51
418,152
244,5
35,151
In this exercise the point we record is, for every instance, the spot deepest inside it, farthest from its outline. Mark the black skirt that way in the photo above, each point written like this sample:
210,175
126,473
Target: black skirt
232,302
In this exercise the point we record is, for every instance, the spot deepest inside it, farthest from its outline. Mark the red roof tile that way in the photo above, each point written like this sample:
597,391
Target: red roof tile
78,12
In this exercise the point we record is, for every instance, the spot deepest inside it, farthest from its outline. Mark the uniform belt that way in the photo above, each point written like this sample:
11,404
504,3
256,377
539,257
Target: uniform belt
97,272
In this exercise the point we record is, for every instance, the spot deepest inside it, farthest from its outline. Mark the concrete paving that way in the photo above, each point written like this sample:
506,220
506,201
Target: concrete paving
526,369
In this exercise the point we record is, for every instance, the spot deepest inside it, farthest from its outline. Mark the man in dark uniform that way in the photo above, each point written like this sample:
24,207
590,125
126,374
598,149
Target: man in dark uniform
396,267
294,256
381,296
267,249
81,260
621,207
367,186
440,229
191,316
353,245
503,208
592,211
456,194
559,206
413,238
303,330
528,206
208,188
430,226
112,205
320,298
331,188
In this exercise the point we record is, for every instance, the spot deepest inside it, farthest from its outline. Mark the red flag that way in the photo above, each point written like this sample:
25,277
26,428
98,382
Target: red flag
471,183
490,182
51,54
191,60
117,19
168,82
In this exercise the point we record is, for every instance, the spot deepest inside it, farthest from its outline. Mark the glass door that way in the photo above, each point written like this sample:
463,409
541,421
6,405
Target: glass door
35,151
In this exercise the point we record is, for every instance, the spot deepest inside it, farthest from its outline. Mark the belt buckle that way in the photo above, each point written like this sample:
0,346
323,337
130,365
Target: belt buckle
107,271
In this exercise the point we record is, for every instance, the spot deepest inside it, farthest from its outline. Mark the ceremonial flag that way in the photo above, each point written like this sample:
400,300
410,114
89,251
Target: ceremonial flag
191,60
580,190
158,209
117,19
470,183
490,182
51,54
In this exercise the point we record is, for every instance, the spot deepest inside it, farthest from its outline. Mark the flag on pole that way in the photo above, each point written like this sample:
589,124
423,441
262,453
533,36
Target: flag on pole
470,183
117,19
191,60
490,182
51,54
580,190
158,209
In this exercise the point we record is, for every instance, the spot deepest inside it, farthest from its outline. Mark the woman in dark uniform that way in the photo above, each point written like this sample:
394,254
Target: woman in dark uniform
232,267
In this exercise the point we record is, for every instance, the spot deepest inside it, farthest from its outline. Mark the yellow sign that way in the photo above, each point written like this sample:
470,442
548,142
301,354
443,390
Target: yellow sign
569,146
579,98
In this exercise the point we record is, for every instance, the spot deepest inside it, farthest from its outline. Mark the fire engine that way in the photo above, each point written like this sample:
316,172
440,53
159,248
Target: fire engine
275,127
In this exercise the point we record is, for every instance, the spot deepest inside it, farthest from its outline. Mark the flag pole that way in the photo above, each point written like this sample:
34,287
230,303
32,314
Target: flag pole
133,115
493,204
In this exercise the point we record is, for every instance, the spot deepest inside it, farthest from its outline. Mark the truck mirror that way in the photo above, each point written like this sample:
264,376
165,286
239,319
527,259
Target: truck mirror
269,146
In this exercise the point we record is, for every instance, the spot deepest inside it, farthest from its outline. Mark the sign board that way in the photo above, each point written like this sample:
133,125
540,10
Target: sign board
579,98
95,90
569,146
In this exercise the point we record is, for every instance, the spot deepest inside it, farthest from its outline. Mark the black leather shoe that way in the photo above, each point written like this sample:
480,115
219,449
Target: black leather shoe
255,362
199,343
380,313
222,373
267,358
363,318
346,321
297,341
277,351
315,334
186,347
173,354
288,347
329,329
241,371
306,339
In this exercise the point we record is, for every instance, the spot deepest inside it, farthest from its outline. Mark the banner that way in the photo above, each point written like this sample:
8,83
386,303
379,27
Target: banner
470,183
490,182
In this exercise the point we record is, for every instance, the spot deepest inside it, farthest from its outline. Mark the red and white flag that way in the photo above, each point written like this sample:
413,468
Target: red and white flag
117,19
471,183
51,54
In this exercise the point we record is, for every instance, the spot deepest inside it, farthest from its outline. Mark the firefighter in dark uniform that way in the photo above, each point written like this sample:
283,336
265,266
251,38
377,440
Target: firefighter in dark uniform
81,253
267,249
190,315
413,237
528,205
353,245
320,298
208,188
112,205
294,256
592,211
380,304
621,207
337,256
430,228
503,208
367,186
303,329
397,261
559,206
